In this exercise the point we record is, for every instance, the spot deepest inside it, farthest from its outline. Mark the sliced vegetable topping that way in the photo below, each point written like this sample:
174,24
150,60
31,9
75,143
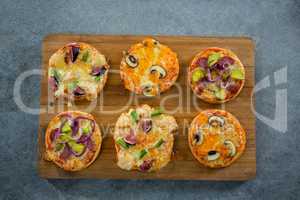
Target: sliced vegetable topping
78,91
220,94
74,52
131,61
158,69
237,73
216,121
213,58
66,153
198,138
78,149
86,128
202,62
63,138
159,143
98,71
59,146
197,75
146,165
142,153
53,83
85,56
231,147
156,112
130,138
66,127
54,134
122,143
146,125
134,116
75,127
212,155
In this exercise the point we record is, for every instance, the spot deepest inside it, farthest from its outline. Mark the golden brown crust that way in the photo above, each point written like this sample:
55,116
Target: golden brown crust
216,139
73,163
205,53
149,53
60,60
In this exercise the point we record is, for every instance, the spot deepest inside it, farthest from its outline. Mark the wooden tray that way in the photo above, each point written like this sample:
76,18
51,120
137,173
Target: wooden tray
115,97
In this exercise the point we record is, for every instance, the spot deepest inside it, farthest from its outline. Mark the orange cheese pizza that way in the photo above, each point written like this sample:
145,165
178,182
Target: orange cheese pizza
144,139
216,75
149,68
73,140
77,71
216,138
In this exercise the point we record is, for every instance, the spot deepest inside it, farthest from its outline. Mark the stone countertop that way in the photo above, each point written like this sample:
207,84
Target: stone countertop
275,27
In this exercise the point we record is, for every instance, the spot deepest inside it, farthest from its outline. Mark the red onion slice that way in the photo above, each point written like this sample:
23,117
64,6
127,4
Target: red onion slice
98,71
130,138
146,165
66,153
202,62
146,125
54,134
78,91
53,83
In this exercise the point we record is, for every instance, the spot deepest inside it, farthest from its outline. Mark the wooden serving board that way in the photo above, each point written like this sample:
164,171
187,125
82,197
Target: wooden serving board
115,98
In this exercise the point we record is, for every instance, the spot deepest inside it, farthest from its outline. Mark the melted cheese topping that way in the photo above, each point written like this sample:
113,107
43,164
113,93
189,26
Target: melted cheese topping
213,138
149,53
163,127
73,163
79,72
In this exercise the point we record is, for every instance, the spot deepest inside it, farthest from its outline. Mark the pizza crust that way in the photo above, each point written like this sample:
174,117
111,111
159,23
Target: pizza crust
163,128
156,66
218,139
78,70
207,96
73,163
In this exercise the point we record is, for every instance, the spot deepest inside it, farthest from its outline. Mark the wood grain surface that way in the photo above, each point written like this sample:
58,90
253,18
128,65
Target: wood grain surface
179,100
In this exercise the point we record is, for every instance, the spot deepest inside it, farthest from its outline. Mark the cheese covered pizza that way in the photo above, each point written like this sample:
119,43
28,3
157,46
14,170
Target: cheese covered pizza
216,75
73,140
149,68
216,138
144,139
77,71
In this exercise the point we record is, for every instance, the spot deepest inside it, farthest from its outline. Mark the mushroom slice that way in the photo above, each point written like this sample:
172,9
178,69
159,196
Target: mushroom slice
131,61
212,155
158,69
198,138
216,121
232,149
149,89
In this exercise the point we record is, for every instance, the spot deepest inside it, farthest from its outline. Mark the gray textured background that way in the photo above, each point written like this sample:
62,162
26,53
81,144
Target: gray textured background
274,25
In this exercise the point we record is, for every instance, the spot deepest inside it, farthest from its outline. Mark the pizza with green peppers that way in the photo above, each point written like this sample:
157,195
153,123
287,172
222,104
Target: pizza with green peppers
72,140
216,75
77,71
144,138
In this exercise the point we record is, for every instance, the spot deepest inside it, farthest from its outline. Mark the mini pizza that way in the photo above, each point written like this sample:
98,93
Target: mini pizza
216,138
149,68
77,71
73,140
144,139
216,75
